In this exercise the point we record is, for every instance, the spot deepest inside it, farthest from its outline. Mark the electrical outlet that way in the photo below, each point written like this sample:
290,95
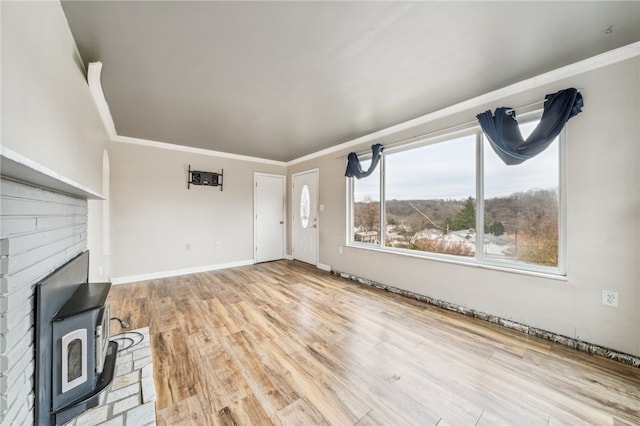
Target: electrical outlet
187,247
610,298
218,244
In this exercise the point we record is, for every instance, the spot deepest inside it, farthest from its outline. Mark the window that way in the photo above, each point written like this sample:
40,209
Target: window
453,198
521,207
305,206
366,207
427,192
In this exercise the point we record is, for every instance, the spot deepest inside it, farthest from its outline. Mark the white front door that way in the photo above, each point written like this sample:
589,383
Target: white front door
269,229
304,223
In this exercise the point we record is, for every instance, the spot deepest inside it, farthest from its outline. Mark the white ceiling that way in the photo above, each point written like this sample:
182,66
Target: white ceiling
280,80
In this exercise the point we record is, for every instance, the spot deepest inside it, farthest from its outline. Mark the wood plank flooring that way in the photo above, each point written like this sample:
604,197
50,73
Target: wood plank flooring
284,343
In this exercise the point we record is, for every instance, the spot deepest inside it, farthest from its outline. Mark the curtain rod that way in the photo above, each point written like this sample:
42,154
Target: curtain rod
412,138
510,111
446,129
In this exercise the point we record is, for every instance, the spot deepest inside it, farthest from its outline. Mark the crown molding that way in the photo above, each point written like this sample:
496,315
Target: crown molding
595,62
192,150
94,71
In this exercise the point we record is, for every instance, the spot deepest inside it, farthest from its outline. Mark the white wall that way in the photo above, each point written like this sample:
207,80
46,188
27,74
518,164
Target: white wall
603,225
160,227
48,117
48,114
99,241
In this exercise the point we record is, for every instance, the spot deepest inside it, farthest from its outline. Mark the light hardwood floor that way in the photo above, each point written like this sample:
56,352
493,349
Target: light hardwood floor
284,343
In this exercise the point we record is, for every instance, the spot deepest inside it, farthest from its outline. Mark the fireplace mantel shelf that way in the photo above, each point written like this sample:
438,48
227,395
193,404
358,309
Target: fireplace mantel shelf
16,166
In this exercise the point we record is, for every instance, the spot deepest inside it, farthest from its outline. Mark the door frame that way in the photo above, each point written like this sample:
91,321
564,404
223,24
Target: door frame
255,213
316,171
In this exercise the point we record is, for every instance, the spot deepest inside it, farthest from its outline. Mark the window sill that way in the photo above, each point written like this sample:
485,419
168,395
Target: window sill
469,262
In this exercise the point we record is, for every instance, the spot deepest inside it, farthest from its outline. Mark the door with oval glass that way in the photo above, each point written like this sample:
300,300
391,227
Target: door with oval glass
304,223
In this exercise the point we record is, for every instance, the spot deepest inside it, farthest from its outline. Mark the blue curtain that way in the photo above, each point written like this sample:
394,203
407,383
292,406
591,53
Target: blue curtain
504,134
353,163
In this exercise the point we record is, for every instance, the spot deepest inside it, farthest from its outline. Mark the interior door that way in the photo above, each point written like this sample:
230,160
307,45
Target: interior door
269,212
304,217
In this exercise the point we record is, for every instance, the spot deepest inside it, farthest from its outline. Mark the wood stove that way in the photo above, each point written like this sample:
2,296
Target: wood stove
75,361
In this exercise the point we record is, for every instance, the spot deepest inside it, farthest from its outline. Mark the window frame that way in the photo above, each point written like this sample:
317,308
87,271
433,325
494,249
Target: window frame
479,259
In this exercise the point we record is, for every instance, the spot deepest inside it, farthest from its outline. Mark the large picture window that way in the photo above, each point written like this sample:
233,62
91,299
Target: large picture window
453,198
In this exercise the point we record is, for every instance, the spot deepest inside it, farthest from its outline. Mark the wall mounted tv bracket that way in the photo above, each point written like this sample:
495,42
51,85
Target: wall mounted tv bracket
204,178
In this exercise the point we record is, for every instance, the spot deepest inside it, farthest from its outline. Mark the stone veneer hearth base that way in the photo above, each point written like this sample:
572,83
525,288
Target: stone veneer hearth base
131,399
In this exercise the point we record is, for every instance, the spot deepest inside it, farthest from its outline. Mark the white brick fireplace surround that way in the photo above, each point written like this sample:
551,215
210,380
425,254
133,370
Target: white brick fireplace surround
40,230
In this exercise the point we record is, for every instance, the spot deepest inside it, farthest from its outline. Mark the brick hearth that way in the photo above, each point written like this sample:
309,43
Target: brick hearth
131,399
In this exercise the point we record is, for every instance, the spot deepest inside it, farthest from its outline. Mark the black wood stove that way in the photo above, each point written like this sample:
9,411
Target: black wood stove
75,361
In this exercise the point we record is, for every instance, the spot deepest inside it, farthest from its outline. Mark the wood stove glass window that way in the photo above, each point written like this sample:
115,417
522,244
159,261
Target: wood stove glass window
74,359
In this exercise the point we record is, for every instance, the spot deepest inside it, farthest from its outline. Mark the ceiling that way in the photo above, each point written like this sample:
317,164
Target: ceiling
280,80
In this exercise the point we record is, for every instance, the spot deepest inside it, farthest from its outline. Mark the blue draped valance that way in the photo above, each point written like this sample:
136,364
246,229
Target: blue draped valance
504,134
353,163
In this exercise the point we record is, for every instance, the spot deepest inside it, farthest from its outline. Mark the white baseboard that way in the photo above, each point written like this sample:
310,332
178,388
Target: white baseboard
176,272
324,267
289,257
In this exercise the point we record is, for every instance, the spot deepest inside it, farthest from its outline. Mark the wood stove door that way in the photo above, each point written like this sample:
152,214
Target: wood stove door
74,359
73,368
